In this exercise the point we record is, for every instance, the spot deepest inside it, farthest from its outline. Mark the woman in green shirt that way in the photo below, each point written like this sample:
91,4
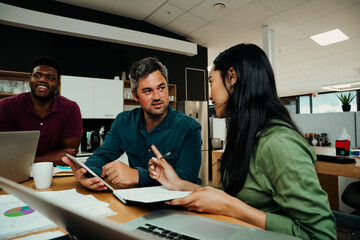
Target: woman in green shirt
267,168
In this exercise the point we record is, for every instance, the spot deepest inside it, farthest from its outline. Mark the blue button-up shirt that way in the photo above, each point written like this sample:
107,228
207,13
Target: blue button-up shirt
128,134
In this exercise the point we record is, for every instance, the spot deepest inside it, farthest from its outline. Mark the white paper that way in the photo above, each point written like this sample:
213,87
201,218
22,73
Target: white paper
150,194
35,221
43,236
86,204
16,226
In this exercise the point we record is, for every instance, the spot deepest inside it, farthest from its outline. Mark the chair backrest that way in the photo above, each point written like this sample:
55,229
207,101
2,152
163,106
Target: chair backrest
351,195
347,220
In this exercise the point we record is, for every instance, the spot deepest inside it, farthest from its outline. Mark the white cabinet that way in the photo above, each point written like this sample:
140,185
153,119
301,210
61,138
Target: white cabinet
108,98
96,97
79,90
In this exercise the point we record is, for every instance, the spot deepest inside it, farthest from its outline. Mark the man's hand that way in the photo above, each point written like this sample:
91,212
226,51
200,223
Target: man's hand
55,156
93,183
120,173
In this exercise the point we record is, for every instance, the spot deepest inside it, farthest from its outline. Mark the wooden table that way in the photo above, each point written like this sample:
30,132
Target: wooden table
328,173
351,170
216,156
124,213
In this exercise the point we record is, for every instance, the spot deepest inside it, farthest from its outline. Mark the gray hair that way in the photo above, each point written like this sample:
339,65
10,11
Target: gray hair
143,68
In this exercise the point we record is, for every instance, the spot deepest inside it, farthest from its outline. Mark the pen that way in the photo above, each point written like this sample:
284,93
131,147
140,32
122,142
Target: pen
164,156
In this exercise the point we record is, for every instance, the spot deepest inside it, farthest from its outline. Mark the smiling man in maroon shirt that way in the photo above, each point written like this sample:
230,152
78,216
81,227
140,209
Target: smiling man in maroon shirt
57,118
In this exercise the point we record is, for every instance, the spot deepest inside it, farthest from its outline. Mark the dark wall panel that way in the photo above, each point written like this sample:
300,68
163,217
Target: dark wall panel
86,57
196,84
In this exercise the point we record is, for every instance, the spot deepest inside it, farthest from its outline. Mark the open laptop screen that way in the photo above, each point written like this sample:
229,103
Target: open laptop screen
17,154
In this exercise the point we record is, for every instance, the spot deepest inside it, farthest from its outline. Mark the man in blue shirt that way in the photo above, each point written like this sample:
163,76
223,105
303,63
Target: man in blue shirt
133,132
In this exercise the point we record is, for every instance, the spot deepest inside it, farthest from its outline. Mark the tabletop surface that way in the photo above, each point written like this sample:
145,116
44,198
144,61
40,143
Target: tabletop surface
124,213
351,170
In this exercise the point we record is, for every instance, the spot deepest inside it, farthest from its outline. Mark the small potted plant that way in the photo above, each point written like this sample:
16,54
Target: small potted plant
346,99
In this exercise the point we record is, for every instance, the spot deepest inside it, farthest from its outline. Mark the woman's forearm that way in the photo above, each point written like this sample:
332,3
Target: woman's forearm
184,185
240,210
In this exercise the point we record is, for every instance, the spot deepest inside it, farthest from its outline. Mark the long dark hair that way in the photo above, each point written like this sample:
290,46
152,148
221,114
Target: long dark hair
250,108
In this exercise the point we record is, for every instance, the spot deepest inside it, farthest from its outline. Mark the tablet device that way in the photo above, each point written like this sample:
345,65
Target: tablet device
80,164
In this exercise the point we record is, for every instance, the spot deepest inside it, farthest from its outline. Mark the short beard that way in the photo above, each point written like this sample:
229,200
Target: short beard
45,98
156,115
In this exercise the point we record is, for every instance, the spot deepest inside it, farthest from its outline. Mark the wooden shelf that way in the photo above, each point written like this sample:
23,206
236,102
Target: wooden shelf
2,95
132,102
14,76
11,76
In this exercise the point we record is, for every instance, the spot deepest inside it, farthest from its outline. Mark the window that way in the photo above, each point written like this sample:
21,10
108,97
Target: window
321,103
304,104
329,102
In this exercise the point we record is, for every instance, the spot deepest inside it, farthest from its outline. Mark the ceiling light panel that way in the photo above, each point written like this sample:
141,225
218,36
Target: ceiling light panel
329,37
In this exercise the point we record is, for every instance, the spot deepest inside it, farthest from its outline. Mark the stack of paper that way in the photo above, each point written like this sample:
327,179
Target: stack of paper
43,236
17,218
62,171
86,204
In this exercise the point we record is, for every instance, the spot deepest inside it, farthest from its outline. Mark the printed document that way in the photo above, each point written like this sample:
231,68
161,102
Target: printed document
17,218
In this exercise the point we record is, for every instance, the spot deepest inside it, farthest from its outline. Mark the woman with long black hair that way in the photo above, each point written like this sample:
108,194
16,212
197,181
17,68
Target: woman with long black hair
267,168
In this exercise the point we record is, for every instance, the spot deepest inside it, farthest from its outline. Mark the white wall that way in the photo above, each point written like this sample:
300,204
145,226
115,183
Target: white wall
330,123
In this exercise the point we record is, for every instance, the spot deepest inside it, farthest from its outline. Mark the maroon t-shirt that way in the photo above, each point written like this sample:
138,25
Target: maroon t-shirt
62,122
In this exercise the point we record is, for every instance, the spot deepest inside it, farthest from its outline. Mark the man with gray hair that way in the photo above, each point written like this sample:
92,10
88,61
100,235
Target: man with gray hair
133,132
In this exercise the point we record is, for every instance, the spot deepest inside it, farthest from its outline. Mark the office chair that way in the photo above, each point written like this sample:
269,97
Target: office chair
348,221
351,196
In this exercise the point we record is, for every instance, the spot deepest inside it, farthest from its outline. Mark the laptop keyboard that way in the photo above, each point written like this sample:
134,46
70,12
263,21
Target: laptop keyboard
162,233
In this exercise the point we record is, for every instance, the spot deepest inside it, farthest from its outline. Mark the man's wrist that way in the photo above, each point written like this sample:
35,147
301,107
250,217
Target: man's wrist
136,176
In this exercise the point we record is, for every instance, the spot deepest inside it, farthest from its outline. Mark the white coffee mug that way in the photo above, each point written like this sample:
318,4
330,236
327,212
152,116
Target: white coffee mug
42,174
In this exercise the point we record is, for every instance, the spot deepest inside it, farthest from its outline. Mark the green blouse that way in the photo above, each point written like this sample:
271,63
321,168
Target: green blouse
282,182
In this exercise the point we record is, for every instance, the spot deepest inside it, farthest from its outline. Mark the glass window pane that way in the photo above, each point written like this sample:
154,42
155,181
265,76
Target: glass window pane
304,103
329,102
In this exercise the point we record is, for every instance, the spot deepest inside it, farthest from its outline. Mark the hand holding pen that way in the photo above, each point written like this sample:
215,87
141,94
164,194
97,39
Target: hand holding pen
163,156
161,171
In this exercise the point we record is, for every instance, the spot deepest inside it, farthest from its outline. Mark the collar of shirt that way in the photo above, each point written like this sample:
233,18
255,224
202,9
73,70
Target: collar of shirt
166,123
30,106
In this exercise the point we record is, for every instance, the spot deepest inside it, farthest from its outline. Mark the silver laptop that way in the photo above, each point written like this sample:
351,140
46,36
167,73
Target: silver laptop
17,154
167,223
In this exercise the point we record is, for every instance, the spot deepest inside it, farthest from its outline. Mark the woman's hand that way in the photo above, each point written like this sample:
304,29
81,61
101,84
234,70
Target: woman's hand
206,199
216,201
163,172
